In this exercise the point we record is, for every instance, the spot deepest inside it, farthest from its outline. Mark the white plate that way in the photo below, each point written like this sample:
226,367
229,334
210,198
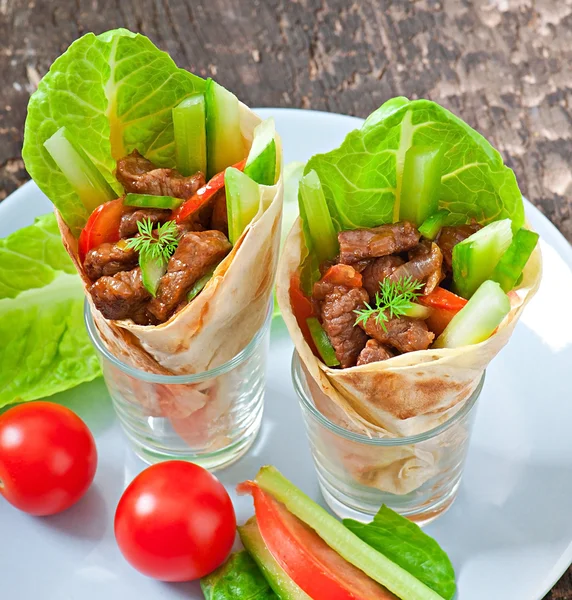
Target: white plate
509,533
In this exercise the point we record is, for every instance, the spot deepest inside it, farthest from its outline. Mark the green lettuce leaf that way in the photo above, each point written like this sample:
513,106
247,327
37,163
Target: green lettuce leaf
45,348
404,543
362,178
113,92
239,578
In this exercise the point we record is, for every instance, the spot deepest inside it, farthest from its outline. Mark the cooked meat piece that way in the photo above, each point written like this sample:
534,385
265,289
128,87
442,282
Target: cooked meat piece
424,265
108,259
374,352
338,319
402,333
140,176
370,243
196,252
128,226
219,219
377,270
450,237
121,295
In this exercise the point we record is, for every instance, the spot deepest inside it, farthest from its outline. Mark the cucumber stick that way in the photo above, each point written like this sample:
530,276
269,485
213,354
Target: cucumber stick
322,342
89,184
189,125
342,540
242,201
150,201
478,319
511,265
475,258
152,269
432,225
225,146
261,162
199,285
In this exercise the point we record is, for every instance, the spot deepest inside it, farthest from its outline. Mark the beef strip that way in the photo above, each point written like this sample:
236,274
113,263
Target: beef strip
402,333
140,176
128,225
119,296
374,352
377,270
109,259
371,243
424,265
196,252
338,318
449,237
219,219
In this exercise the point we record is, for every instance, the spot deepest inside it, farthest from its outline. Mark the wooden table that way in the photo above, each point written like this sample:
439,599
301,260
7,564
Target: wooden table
505,66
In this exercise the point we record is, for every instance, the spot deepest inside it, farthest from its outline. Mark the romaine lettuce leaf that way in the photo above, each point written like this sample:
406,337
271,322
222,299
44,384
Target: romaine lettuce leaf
113,92
362,178
44,347
405,544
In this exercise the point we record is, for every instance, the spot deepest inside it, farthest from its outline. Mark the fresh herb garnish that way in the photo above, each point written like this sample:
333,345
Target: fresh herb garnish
394,299
158,244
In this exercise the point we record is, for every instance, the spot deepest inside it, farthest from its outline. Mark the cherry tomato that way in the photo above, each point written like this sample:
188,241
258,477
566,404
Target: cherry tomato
47,457
175,522
102,226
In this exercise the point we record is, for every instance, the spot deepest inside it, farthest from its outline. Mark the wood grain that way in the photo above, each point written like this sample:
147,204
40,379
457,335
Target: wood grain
505,66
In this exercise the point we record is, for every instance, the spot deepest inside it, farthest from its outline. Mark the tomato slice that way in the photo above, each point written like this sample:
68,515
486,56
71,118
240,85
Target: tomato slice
303,309
343,275
203,195
317,569
102,226
442,298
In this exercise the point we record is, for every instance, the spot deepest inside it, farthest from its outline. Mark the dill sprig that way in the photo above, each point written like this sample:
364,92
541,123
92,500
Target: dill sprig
158,244
394,299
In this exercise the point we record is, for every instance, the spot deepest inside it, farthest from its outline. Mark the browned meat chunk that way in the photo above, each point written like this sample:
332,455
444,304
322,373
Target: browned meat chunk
424,265
373,352
109,259
449,237
197,251
338,318
121,295
219,218
128,226
378,270
402,333
370,243
140,176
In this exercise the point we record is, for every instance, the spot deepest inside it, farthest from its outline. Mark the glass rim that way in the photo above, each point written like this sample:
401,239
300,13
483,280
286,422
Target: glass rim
243,355
297,373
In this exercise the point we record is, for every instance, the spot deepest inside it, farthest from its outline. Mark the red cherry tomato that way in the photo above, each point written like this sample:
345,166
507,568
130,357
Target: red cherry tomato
47,457
175,522
102,226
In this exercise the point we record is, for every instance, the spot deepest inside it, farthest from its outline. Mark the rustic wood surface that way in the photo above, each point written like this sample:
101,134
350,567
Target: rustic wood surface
505,66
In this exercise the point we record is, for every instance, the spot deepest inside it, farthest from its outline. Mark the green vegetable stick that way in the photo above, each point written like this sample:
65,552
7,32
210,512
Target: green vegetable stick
89,184
242,201
190,135
318,219
152,269
421,182
261,162
478,319
433,224
475,258
511,265
322,342
199,285
150,201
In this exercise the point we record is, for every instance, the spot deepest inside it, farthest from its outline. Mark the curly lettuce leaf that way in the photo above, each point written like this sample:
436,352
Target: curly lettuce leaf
113,93
362,178
239,578
405,544
45,348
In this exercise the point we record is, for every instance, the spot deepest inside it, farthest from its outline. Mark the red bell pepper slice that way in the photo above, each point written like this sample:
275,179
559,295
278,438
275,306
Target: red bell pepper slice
303,309
102,226
442,298
313,566
343,275
203,195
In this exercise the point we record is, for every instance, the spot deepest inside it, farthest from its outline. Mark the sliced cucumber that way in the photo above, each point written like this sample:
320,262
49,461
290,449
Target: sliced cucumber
322,341
417,311
475,258
511,265
199,285
85,178
242,201
150,201
342,540
478,319
225,146
261,162
189,124
432,225
152,269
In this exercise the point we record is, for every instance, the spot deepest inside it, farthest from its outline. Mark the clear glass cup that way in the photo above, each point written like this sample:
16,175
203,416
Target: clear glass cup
210,418
417,476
